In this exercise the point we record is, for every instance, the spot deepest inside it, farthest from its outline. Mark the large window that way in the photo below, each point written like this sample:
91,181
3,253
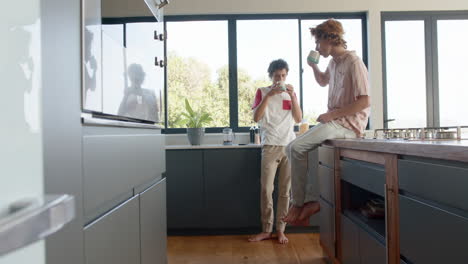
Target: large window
218,62
258,43
406,73
425,76
197,70
453,72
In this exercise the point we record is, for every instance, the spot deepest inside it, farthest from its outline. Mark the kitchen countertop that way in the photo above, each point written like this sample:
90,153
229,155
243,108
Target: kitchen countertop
456,150
212,146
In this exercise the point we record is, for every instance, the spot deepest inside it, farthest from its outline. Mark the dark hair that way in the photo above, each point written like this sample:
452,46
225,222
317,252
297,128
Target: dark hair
278,64
331,30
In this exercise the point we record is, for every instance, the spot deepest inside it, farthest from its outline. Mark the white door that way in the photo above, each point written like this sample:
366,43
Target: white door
21,172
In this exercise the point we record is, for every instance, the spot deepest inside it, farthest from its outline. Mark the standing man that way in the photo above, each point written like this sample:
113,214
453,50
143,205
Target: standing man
347,115
276,109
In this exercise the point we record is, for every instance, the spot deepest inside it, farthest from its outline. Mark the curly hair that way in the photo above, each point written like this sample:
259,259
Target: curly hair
278,64
331,30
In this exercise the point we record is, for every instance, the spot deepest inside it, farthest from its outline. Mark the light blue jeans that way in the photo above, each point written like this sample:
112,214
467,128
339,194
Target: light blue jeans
304,189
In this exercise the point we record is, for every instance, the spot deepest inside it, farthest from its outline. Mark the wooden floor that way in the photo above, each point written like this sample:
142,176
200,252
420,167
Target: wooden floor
301,249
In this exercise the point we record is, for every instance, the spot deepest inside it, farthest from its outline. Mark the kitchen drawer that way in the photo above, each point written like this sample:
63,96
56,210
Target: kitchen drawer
153,224
368,176
371,251
430,235
115,237
114,164
327,226
349,241
326,183
326,156
436,182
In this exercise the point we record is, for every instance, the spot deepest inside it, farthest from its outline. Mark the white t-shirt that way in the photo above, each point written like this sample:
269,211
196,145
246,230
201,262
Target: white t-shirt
277,124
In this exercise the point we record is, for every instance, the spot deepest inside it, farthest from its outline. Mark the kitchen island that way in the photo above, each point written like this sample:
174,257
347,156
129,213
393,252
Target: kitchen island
422,186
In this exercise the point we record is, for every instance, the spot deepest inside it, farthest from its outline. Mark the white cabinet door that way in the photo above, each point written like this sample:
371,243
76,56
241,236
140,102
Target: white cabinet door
20,134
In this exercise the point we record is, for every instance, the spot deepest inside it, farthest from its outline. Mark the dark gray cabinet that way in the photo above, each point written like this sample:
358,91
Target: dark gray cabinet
223,171
359,247
213,188
327,226
185,200
349,241
441,182
368,176
326,156
370,250
433,210
430,235
153,226
326,179
250,189
231,186
115,237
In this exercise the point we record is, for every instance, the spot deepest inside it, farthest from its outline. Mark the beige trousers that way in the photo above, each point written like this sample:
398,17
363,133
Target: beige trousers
302,188
274,158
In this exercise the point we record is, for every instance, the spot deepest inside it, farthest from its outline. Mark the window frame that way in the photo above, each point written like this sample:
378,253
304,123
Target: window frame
232,47
232,52
430,19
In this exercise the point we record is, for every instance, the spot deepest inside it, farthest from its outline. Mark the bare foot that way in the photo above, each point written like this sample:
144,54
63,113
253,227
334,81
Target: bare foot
309,209
260,237
282,239
293,214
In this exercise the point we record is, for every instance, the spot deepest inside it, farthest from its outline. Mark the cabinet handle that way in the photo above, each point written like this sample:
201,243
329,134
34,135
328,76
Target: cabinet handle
162,63
156,35
161,37
156,61
28,220
387,190
163,3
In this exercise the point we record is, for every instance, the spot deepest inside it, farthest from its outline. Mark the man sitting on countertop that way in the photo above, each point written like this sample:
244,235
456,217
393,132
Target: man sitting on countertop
347,115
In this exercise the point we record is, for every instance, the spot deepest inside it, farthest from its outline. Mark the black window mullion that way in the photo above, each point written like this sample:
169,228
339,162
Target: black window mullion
384,71
435,73
301,69
166,115
233,90
365,47
429,71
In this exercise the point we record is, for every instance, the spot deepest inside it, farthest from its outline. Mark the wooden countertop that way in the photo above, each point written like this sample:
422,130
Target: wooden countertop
212,146
456,150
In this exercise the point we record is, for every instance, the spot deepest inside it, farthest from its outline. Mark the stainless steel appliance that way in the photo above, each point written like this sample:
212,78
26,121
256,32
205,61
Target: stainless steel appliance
424,133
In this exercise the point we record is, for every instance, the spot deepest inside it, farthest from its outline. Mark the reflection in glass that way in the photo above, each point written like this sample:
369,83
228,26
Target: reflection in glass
138,102
453,72
92,94
259,42
114,79
406,75
142,49
132,84
316,97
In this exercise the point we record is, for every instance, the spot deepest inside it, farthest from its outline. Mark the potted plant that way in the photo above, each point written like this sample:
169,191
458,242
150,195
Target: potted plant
195,121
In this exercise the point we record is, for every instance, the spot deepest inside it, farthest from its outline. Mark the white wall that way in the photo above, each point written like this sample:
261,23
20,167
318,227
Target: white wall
372,7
